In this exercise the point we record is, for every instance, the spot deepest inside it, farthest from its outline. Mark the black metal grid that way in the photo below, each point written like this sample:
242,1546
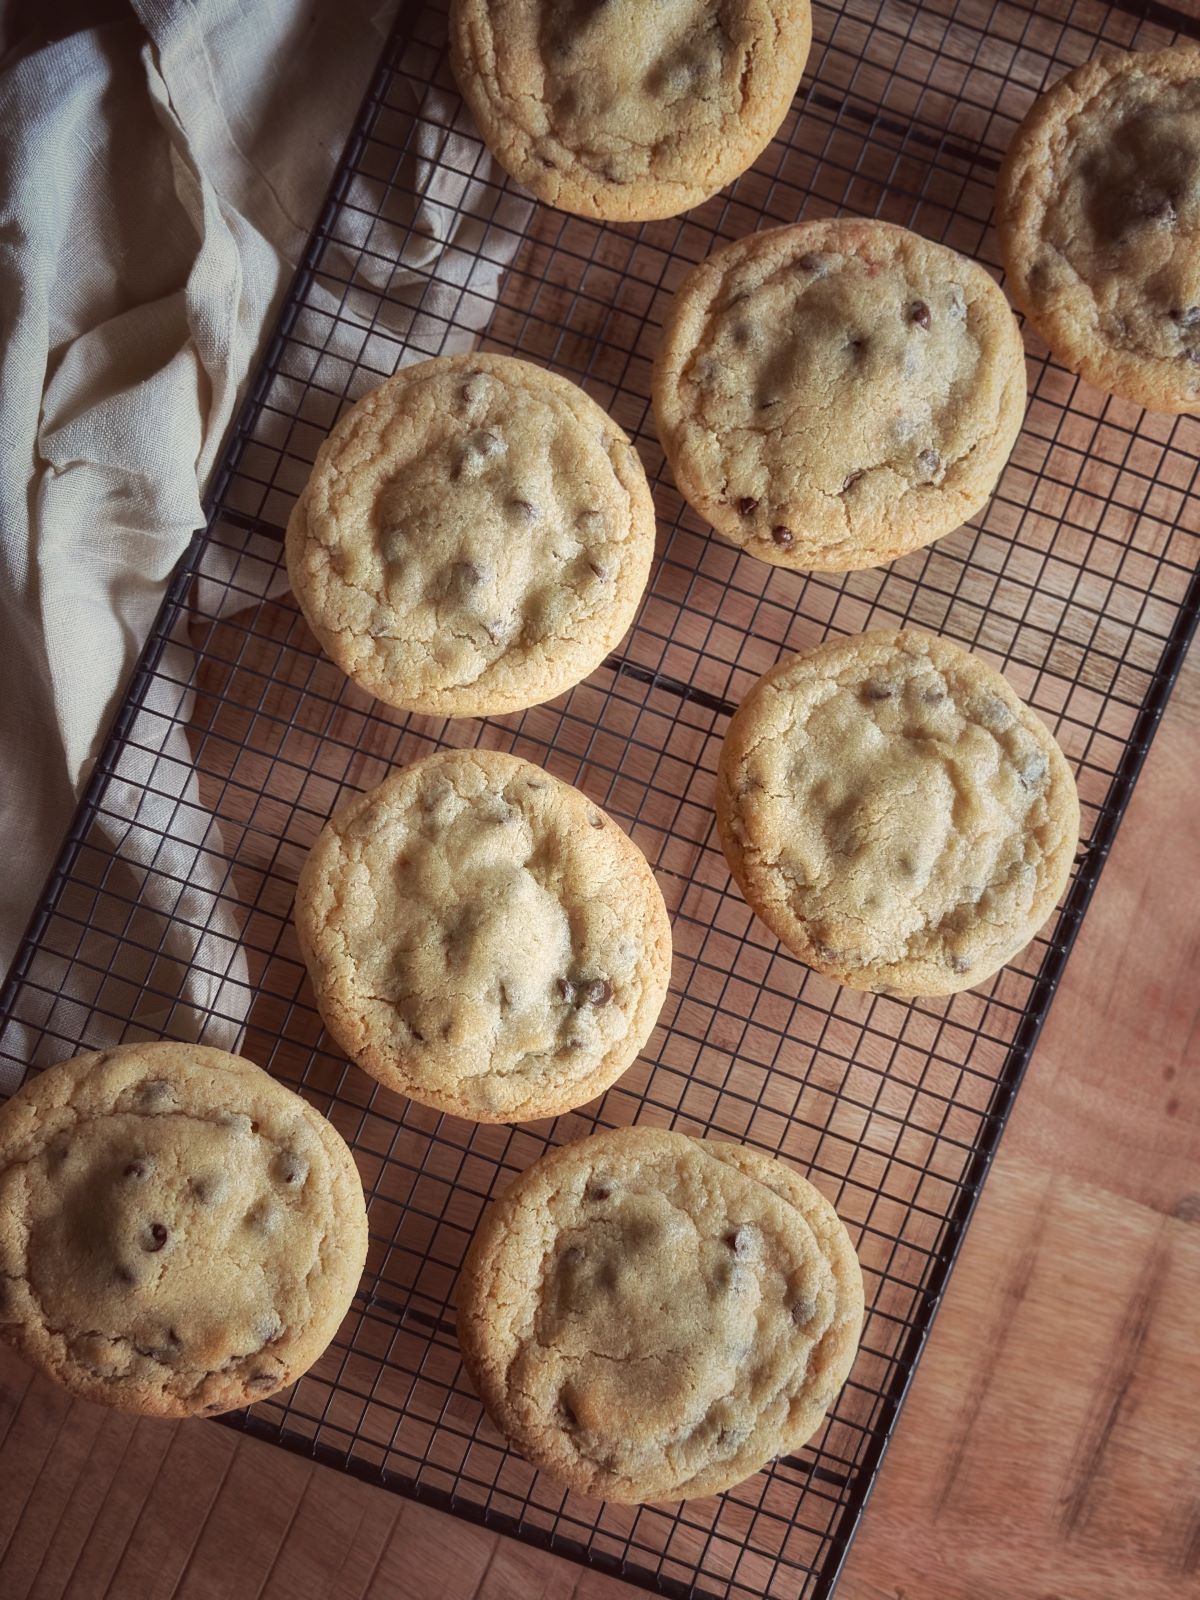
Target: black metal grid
1079,580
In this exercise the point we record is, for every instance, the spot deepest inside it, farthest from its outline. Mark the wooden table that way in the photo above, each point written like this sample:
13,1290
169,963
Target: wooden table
1050,1449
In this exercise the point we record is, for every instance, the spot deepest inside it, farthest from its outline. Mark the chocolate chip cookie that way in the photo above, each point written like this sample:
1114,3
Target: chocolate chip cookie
474,538
179,1234
652,1317
483,938
1098,210
895,814
627,111
834,394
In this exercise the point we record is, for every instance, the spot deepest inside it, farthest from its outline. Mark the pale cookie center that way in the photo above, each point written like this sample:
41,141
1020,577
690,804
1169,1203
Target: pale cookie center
161,1237
903,817
1128,221
502,535
654,1332
484,943
828,371
623,77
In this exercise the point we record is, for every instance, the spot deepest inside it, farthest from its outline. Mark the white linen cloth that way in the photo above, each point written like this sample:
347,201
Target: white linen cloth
159,175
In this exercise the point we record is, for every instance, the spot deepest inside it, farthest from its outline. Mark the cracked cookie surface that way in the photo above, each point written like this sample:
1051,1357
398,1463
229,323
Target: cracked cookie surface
627,111
833,394
1098,211
179,1234
474,538
484,939
895,814
649,1316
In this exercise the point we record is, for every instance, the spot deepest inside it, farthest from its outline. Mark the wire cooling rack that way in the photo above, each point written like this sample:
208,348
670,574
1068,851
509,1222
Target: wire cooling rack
168,913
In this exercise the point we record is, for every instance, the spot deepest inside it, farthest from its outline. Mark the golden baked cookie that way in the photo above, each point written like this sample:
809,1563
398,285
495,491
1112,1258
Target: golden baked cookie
483,938
474,538
179,1234
648,1316
895,814
625,110
1098,210
834,394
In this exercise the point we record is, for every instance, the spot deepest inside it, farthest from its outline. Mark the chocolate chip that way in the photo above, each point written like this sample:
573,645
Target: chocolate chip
1186,316
809,262
287,1167
465,576
138,1168
918,313
747,506
857,345
596,820
590,522
874,690
474,388
262,1217
566,989
1033,771
525,510
168,1350
597,571
1155,206
932,696
598,992
154,1237
477,449
213,1407
929,461
782,536
599,1191
803,1310
262,1380
738,1240
961,964
155,1092
851,479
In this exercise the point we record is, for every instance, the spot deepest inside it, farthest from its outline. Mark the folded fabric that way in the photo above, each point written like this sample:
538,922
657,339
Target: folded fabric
159,176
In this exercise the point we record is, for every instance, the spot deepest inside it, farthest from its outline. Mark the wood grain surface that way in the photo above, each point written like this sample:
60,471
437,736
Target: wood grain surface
1050,1449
